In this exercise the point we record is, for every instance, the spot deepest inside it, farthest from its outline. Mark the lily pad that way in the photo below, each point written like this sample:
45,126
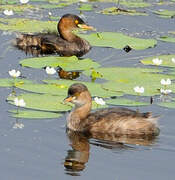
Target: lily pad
118,40
165,13
53,89
27,25
17,8
168,104
9,82
167,39
67,63
135,4
30,114
86,7
166,60
44,102
118,11
125,79
125,102
94,88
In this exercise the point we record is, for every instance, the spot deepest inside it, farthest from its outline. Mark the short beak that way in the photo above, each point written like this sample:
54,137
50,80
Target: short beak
68,99
86,27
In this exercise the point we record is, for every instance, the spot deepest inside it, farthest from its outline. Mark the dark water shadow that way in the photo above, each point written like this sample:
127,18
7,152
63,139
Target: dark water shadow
77,157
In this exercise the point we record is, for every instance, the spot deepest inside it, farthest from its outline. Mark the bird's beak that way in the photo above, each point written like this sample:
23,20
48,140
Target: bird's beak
86,27
68,99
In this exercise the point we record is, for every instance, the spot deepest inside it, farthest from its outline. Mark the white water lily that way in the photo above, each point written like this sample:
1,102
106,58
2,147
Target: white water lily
24,1
18,126
139,90
173,60
165,82
165,91
50,70
49,13
13,73
19,102
83,0
157,61
99,101
8,12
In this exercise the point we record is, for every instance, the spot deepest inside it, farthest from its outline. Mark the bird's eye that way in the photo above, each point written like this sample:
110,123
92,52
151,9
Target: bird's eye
76,21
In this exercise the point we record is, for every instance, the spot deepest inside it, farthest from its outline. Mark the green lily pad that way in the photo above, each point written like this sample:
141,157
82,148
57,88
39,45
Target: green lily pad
118,40
116,11
135,4
53,89
167,39
126,102
165,13
86,7
168,104
67,63
9,82
2,2
166,60
94,88
125,79
30,114
17,8
27,25
44,102
54,6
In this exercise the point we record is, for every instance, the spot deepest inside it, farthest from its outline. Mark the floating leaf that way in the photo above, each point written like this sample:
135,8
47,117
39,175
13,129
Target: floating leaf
9,82
66,63
17,8
166,60
168,104
117,11
125,79
53,89
94,88
42,102
125,102
135,4
86,7
118,40
27,25
30,114
165,13
167,39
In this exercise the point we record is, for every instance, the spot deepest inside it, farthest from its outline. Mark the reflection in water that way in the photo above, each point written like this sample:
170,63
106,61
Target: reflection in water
78,156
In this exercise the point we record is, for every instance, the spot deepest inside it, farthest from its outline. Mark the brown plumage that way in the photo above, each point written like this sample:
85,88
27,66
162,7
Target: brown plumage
119,121
64,44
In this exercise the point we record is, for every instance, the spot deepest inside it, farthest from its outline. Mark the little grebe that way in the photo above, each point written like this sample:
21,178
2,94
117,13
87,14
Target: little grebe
67,44
119,121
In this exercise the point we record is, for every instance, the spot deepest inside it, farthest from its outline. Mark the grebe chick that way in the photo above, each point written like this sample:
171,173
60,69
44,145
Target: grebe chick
64,44
119,121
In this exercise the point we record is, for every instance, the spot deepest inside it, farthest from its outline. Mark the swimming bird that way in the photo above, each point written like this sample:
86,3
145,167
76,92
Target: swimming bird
66,43
118,121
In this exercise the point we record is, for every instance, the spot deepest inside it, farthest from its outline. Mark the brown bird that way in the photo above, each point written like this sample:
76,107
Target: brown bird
64,44
118,121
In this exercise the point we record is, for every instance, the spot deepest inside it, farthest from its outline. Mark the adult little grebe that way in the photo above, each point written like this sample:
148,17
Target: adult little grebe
67,44
119,121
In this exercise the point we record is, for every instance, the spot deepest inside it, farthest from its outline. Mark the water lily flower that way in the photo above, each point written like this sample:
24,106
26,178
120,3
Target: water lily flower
8,12
19,102
165,82
24,1
139,90
18,126
157,61
13,73
99,101
165,91
173,60
83,0
49,13
50,70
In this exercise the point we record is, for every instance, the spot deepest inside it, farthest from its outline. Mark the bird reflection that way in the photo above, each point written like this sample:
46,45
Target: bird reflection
78,156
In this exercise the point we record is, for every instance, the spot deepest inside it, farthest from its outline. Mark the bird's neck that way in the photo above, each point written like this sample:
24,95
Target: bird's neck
77,116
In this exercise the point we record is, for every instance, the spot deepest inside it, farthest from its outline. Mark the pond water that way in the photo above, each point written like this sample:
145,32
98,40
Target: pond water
40,149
